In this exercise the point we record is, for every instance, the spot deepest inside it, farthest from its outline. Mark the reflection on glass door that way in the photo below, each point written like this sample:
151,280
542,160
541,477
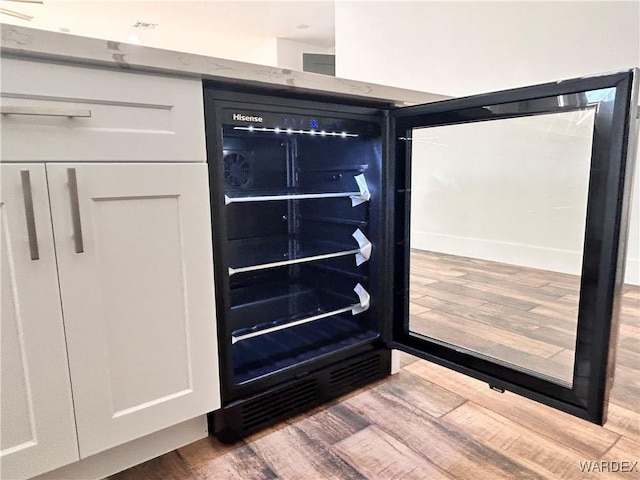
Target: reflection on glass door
497,231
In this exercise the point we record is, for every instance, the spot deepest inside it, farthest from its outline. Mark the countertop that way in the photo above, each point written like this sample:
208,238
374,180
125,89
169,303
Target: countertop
61,47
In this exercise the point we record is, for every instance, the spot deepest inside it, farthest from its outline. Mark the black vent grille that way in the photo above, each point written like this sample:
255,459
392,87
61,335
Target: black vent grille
355,374
280,403
266,408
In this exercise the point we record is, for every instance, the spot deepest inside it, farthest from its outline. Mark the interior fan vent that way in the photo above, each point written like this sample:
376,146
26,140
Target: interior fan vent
237,171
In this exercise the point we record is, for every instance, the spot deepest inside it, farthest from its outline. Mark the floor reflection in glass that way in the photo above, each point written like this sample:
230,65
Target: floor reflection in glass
520,316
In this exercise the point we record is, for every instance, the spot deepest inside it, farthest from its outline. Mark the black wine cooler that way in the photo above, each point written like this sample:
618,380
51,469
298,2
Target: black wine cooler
311,208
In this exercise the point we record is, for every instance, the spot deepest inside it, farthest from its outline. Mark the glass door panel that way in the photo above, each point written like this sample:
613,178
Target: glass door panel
498,214
510,213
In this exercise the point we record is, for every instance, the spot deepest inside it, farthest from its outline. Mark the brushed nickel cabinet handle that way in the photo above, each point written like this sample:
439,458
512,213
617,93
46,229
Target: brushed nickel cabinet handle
45,111
75,210
32,235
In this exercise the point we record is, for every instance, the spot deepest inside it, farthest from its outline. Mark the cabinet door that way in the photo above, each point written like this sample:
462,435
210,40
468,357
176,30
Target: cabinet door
511,215
38,430
136,276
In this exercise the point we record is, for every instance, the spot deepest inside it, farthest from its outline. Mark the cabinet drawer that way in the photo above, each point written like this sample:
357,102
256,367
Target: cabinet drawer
62,112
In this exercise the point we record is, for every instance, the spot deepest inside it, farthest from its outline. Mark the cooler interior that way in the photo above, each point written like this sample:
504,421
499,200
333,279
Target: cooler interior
298,284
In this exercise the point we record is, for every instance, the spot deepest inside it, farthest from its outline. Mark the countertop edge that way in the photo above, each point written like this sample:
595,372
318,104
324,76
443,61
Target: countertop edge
46,45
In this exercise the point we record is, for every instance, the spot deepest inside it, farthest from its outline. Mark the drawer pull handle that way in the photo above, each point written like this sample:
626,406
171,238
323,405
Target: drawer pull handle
75,210
46,111
32,235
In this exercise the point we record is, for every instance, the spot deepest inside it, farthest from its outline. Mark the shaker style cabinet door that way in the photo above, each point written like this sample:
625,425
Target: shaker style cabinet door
136,275
38,430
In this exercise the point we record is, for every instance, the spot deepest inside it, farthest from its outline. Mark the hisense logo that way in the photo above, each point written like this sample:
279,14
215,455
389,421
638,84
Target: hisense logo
247,118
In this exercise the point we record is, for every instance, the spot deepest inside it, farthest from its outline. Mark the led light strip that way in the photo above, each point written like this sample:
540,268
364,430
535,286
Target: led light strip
290,131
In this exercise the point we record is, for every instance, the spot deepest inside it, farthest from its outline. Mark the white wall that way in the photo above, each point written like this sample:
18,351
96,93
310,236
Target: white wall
244,31
464,48
290,52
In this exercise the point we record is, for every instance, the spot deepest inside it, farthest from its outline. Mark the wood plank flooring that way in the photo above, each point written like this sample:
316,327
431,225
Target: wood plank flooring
428,422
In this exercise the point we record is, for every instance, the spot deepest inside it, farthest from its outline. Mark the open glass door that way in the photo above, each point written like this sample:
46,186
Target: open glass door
509,225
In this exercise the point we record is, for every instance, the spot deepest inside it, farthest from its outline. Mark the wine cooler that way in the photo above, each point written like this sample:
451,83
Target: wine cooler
320,204
296,207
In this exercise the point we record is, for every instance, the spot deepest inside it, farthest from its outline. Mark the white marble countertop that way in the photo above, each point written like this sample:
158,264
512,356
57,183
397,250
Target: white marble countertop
41,44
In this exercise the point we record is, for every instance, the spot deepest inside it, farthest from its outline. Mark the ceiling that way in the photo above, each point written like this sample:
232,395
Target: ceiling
231,20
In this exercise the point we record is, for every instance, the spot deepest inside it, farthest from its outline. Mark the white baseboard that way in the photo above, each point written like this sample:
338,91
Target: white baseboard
132,453
533,256
632,271
395,362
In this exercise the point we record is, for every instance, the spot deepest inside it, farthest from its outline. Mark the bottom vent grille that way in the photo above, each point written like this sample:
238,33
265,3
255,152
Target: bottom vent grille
279,403
354,375
268,407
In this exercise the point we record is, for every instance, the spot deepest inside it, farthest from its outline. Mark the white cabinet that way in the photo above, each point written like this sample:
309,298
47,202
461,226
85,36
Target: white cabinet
135,270
109,332
136,280
38,430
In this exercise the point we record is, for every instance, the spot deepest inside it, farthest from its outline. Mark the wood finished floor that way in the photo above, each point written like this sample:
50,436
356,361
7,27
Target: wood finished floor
428,422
